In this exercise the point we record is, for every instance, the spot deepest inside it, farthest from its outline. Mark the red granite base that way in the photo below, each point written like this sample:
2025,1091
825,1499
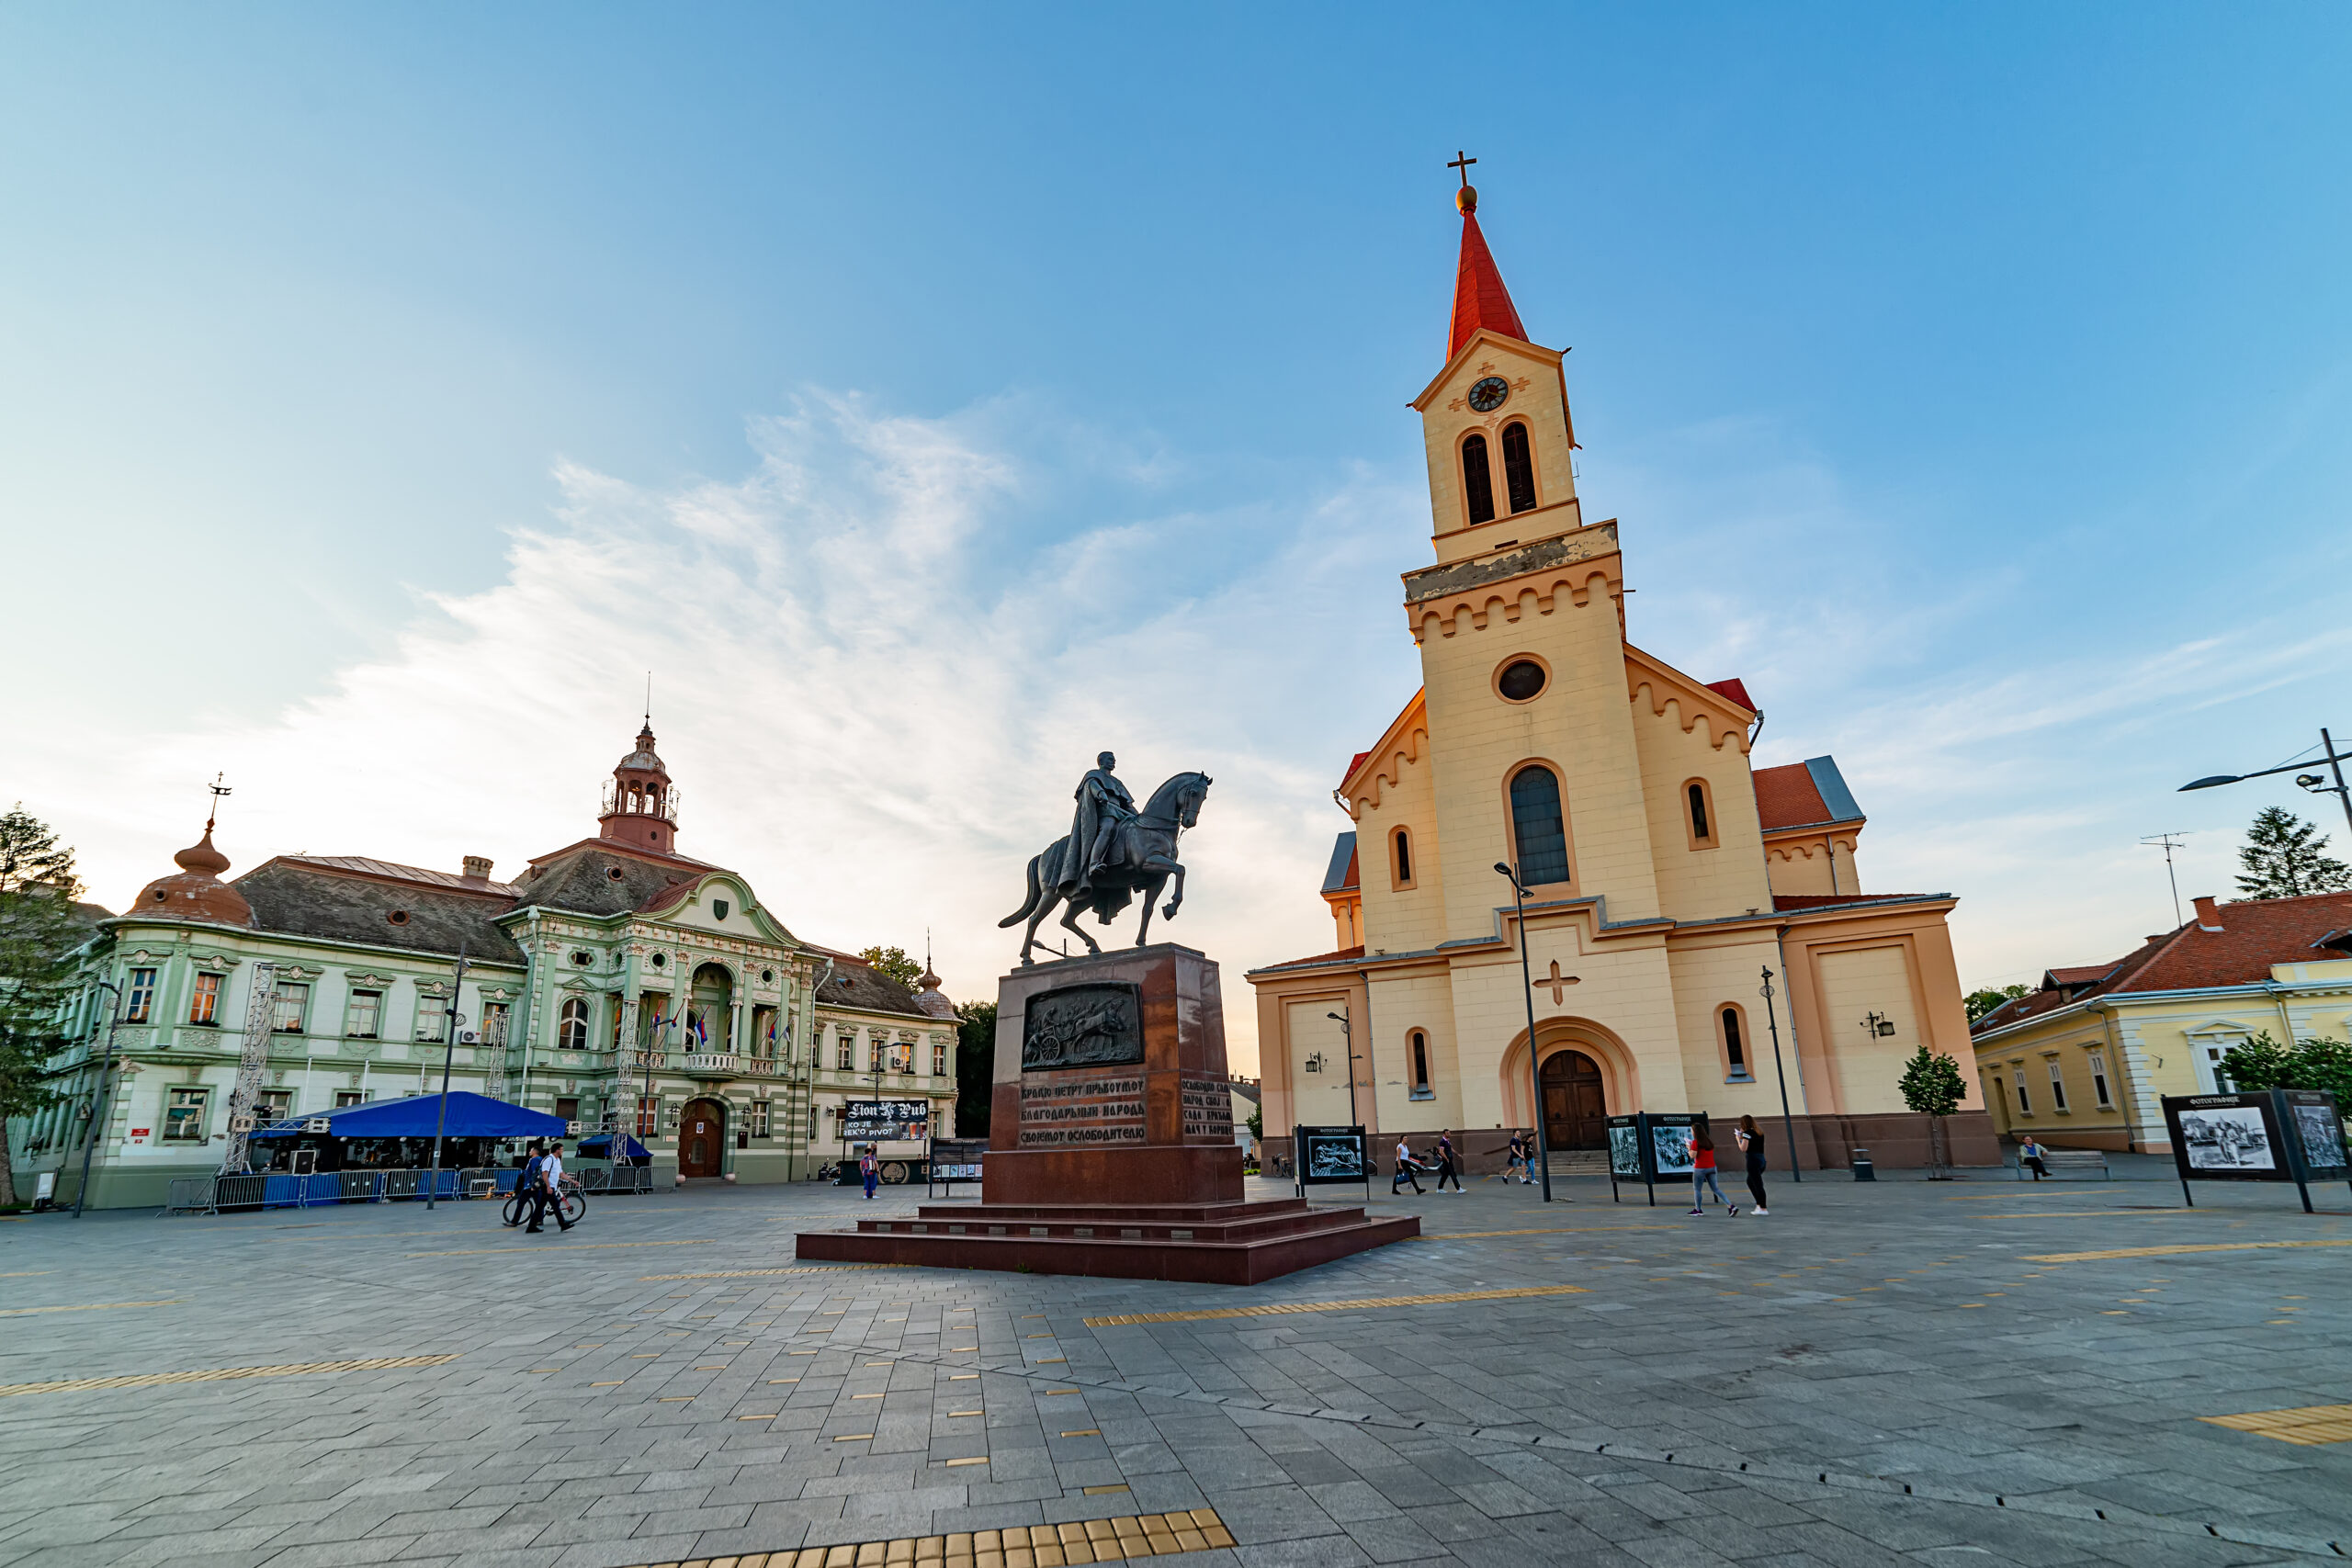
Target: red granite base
1217,1244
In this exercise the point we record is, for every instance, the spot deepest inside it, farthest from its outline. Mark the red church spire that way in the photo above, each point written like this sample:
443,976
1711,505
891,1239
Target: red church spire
1480,301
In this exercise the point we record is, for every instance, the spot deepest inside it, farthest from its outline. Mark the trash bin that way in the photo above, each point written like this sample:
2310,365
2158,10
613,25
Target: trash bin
1864,1169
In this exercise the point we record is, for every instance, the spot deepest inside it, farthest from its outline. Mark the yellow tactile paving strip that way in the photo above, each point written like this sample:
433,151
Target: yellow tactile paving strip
519,1248
1037,1546
1539,1230
2312,1424
770,1273
221,1374
2171,1251
1123,1319
92,1306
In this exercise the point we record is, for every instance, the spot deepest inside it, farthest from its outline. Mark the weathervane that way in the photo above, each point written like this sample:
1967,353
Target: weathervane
219,792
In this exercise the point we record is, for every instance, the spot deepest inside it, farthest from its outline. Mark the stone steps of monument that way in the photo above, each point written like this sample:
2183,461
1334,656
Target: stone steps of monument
1081,1213
1329,1235
1222,1223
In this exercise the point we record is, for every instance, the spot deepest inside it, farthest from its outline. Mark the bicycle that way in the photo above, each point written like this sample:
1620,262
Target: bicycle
570,1203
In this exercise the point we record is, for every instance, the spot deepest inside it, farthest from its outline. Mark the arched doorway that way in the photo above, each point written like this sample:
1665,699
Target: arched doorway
1576,1111
702,1129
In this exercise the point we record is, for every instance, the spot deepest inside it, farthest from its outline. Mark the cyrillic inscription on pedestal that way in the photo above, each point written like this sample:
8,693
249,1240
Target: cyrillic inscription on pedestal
1208,1111
1082,1112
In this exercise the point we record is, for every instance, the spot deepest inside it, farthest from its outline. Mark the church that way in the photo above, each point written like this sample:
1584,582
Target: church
613,977
1659,876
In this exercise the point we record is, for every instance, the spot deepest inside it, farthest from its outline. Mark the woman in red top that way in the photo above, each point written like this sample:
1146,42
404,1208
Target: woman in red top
1702,1170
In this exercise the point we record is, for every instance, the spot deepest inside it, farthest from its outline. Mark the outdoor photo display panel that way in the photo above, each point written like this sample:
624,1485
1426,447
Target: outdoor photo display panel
2226,1137
2319,1131
1329,1156
1625,1148
1672,1142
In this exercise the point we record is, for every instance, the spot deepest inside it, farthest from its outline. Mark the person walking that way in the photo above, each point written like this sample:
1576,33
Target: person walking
1446,1168
1406,1170
527,1184
2030,1158
1703,1171
1518,1166
548,1193
870,1168
1751,1143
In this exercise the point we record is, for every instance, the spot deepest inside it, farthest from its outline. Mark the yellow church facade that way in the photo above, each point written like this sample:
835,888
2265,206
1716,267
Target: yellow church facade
1663,875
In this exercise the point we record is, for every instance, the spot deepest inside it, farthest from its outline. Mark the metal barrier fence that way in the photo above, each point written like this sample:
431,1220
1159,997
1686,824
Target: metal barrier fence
274,1189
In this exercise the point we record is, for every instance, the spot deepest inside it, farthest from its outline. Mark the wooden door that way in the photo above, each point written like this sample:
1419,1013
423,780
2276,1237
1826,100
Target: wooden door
700,1129
1576,1111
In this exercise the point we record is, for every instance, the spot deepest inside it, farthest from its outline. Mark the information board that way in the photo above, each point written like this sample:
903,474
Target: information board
875,1120
2271,1134
953,1161
1331,1157
1650,1146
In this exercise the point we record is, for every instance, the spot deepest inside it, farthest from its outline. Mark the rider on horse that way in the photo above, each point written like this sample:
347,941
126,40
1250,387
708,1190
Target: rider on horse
1102,803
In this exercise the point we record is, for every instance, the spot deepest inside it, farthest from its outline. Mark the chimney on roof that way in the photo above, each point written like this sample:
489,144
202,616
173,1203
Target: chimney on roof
477,868
2209,918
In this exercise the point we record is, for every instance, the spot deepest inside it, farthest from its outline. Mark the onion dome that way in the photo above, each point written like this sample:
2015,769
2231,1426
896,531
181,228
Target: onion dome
197,893
931,998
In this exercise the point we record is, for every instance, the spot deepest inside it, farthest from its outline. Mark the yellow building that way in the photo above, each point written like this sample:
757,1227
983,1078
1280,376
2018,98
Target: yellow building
2085,1060
1666,876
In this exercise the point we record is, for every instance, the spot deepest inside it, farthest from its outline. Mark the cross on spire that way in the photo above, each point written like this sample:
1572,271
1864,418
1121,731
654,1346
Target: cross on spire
1557,983
1462,161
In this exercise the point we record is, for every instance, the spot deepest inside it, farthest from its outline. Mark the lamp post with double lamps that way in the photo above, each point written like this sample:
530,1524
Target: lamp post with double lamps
2312,782
1527,989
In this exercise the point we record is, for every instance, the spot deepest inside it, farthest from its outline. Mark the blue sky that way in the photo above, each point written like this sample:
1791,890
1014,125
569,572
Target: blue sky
382,389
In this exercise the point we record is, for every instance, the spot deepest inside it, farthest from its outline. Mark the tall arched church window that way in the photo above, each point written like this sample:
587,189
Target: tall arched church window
1404,842
1735,1047
1420,1065
571,1031
1698,814
1539,832
1518,468
1477,480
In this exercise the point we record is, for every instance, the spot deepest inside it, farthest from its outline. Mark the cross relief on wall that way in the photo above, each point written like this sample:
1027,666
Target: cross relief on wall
1557,983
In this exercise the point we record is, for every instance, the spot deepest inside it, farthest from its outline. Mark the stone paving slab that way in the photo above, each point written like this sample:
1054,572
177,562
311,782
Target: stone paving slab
1887,1372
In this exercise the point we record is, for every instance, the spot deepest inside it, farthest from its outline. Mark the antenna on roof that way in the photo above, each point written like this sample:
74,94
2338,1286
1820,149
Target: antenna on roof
2169,842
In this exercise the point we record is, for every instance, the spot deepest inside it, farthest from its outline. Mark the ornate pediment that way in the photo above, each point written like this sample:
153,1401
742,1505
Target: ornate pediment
366,980
219,963
299,972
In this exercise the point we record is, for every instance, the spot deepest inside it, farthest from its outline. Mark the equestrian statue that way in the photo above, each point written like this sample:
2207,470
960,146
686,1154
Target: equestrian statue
1113,852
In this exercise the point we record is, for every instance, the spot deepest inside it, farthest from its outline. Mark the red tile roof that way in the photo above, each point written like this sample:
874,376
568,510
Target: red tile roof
1353,763
1480,301
2083,975
1789,902
1786,796
2255,934
1333,957
1737,690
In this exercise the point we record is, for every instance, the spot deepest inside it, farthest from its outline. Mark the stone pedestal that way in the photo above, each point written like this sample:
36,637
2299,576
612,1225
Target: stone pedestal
1111,1145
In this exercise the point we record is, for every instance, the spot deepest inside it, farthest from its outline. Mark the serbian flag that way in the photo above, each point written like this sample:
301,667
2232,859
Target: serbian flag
702,1035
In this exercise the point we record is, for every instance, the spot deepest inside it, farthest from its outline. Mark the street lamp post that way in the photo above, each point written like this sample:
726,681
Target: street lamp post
1348,1036
1527,989
2312,782
98,1097
1788,1122
449,1055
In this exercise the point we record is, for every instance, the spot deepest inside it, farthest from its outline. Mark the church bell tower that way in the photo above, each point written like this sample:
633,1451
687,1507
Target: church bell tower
640,803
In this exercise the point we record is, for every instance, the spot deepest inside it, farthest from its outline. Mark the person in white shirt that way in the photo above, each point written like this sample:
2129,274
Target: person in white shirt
1406,1170
548,1195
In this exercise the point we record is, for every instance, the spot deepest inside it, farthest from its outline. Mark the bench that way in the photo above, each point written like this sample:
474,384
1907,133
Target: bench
2062,1163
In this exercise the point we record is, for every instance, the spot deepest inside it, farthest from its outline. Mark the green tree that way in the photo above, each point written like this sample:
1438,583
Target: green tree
2310,1063
894,962
1979,1003
2285,857
40,928
1932,1087
975,1067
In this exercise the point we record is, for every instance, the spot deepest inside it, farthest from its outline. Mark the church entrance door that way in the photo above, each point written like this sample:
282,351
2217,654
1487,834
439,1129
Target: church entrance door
1576,1112
700,1128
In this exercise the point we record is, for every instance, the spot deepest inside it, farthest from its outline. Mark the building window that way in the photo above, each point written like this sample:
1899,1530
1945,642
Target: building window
2000,1090
902,1056
649,1115
1477,480
345,1097
289,1003
1402,844
1518,468
2057,1087
1540,831
204,1006
846,1058
2025,1101
2213,1055
2100,1091
494,1016
1699,810
363,1015
571,1026
1728,1020
272,1106
939,1058
138,1000
812,1125
757,1124
1420,1043
184,1115
431,1017
567,1107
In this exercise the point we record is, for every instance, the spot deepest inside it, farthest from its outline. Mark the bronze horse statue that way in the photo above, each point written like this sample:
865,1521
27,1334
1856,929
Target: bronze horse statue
1142,859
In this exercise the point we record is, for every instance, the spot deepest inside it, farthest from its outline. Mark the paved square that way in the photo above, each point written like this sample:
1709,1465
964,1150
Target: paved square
1967,1373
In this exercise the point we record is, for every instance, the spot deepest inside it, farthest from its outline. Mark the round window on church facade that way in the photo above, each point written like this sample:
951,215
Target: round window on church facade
1522,679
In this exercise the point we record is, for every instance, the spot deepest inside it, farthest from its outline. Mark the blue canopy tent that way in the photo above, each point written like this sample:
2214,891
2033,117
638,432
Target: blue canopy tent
597,1146
471,1116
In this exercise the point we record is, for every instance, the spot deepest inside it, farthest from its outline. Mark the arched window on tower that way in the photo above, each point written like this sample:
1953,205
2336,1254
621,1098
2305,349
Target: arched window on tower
571,1031
1518,468
1403,840
1698,814
1735,1043
1477,480
1421,1067
1538,830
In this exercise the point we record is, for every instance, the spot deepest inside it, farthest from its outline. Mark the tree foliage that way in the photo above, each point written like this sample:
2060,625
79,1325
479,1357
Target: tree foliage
1931,1083
2310,1063
975,1067
1979,1003
2285,857
894,962
40,928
